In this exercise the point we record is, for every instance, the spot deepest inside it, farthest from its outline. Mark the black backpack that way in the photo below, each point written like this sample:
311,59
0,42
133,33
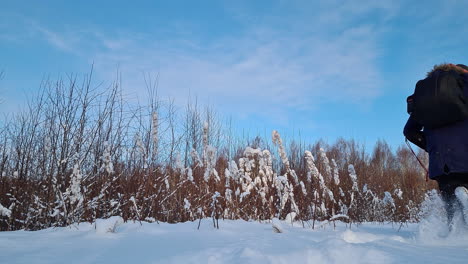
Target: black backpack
439,100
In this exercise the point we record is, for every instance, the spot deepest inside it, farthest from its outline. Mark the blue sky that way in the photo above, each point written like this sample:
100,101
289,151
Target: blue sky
325,68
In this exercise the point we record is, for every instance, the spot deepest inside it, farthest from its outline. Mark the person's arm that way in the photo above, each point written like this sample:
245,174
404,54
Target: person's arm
413,133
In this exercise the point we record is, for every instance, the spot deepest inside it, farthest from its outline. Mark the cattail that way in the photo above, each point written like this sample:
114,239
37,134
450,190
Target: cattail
336,173
228,195
326,163
353,176
227,175
154,131
195,157
139,143
205,133
317,176
311,168
205,142
210,164
303,188
233,170
277,141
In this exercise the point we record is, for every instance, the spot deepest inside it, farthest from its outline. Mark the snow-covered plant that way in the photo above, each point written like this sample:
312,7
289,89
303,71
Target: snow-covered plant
227,175
303,188
215,209
372,202
139,144
4,211
336,173
72,199
282,151
205,141
354,192
353,176
326,164
166,181
188,206
389,203
107,164
154,131
255,159
312,171
141,150
267,166
135,207
190,174
388,199
282,188
399,193
285,193
195,157
179,166
233,170
74,191
316,176
245,169
228,195
210,170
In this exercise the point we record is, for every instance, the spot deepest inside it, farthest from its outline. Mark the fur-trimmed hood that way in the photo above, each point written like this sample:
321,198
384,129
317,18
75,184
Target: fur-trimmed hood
460,68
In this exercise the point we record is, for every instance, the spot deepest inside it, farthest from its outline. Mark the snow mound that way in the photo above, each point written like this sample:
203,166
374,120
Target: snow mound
359,237
277,227
290,217
109,225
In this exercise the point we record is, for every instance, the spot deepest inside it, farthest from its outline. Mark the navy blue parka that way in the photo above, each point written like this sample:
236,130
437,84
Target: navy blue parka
447,146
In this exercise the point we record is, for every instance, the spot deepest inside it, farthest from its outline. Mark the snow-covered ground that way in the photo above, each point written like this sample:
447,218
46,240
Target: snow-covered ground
234,242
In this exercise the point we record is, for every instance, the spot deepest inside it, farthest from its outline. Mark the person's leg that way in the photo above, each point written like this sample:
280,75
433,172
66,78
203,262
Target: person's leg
461,192
447,192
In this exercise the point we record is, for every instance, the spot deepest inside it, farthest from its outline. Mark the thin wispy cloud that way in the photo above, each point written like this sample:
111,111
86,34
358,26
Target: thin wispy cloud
258,71
275,72
55,39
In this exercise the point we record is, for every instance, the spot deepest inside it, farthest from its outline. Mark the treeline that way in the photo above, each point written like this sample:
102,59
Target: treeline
80,152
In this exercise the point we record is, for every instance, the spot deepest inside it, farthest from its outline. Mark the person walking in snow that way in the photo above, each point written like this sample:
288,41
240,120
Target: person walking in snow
440,127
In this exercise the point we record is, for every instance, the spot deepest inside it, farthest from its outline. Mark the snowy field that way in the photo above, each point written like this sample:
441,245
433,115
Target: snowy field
234,242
